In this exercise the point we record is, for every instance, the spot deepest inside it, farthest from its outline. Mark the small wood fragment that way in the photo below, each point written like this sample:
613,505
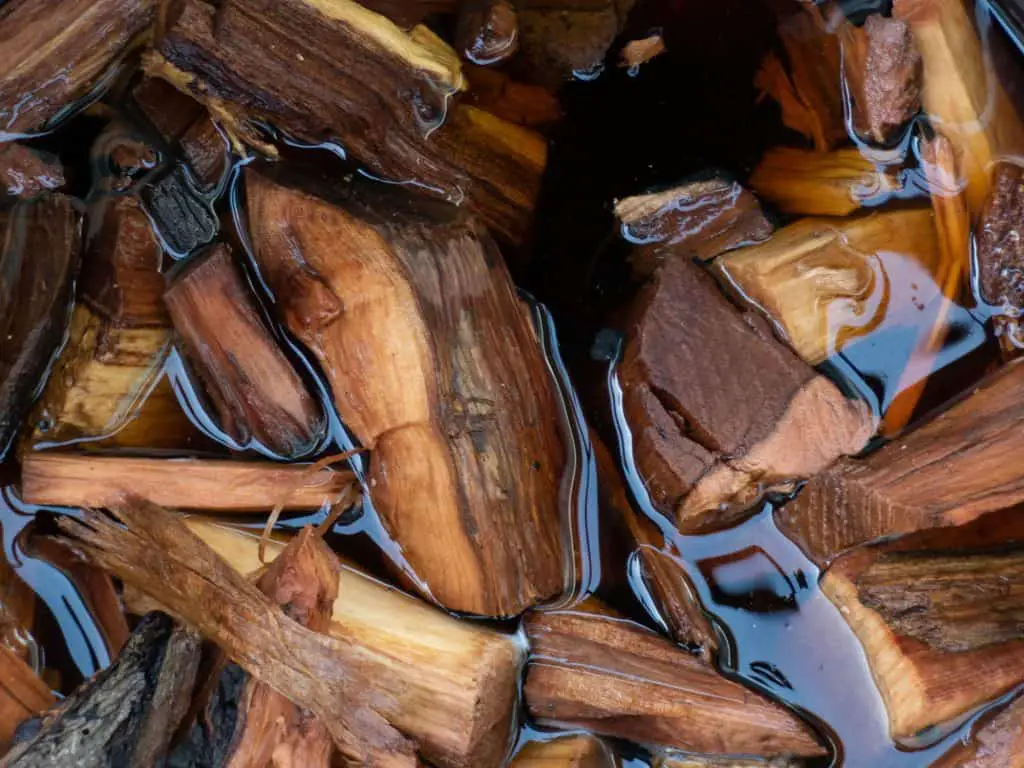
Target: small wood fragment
566,752
22,695
127,714
720,410
1000,254
434,366
87,480
487,31
492,90
699,218
606,674
808,92
27,172
38,263
181,214
954,469
883,70
57,54
941,630
819,280
256,392
637,52
997,742
807,183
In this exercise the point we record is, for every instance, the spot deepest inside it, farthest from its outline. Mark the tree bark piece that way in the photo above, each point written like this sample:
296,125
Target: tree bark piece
809,92
720,410
883,70
950,471
616,678
435,368
17,612
566,752
85,480
55,55
22,695
27,172
997,743
1000,254
494,91
452,684
959,94
383,95
181,214
807,183
38,262
699,218
821,281
255,390
941,630
127,714
670,760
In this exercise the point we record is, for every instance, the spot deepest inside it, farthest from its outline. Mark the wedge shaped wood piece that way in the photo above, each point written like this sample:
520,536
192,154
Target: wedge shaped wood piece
1000,254
384,94
57,54
451,685
434,367
566,752
719,409
960,93
22,695
254,389
39,258
948,472
89,480
997,742
605,673
941,630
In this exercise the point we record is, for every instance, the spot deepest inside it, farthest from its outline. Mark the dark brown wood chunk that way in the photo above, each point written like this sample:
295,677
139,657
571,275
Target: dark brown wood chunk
566,752
603,673
180,213
255,390
952,470
1000,239
26,172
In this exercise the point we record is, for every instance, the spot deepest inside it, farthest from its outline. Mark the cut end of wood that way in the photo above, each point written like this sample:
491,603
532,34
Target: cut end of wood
637,52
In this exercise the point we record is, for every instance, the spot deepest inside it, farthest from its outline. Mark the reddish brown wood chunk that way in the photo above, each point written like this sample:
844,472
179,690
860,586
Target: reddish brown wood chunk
22,695
26,172
520,103
954,469
720,410
1000,239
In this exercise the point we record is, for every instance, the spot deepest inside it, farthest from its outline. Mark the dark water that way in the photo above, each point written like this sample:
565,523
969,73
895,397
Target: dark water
688,111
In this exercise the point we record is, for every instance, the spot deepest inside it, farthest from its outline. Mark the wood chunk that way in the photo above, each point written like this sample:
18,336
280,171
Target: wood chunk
566,39
27,172
494,91
121,279
487,31
255,390
216,722
434,366
205,151
120,157
180,213
214,485
38,262
997,743
941,630
22,695
57,53
808,91
617,678
383,95
883,70
954,469
566,752
637,52
1000,254
125,715
756,414
698,218
17,612
670,759
959,94
818,280
807,183
453,684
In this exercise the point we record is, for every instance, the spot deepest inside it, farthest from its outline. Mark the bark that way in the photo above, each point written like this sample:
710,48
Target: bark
22,695
825,283
699,218
807,183
1000,254
941,630
566,752
616,678
27,172
383,95
720,410
213,485
56,54
948,472
256,392
38,262
126,715
434,366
